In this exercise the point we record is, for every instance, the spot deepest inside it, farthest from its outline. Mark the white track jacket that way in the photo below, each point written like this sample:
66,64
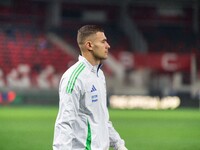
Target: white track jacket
83,120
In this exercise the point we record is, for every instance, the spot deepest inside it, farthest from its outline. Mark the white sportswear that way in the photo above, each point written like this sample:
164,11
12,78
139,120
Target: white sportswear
83,121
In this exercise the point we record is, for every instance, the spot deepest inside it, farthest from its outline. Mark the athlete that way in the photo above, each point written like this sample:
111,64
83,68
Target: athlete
83,121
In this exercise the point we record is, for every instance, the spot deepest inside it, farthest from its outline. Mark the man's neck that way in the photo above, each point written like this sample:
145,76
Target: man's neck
91,59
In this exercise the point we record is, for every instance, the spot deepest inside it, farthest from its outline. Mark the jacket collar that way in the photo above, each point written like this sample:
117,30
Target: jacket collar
92,68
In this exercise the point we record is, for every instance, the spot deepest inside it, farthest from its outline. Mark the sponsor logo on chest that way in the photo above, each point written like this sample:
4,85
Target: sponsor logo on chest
94,96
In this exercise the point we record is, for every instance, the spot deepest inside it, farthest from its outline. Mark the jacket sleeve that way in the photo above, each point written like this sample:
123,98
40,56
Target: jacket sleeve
115,139
68,106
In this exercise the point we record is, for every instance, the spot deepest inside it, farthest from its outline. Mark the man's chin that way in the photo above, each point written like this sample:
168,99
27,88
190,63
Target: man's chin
106,56
103,58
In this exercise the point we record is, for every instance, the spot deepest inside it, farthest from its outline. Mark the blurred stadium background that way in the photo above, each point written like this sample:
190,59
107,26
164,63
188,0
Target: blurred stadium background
154,57
154,47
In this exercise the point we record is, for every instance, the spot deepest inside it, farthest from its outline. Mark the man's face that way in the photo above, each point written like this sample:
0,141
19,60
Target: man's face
100,46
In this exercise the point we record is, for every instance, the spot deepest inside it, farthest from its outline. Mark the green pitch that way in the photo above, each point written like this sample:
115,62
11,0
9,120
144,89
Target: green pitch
31,128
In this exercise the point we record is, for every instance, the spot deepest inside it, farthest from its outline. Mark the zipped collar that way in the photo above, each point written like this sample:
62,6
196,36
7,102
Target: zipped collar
92,68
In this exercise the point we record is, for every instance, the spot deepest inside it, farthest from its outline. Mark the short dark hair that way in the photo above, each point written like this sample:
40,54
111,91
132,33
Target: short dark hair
86,31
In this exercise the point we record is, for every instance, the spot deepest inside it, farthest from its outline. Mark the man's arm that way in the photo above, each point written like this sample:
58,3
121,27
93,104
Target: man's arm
115,139
67,113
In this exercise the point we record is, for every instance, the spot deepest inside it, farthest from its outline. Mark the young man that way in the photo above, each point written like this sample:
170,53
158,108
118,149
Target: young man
83,120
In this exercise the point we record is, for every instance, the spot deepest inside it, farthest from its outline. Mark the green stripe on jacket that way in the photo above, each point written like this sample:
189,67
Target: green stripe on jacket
73,77
89,138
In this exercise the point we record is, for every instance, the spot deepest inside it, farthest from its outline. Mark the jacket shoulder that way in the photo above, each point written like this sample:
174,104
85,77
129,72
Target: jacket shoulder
72,75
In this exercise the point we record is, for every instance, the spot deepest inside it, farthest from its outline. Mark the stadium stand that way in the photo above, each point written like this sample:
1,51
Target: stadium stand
24,46
24,41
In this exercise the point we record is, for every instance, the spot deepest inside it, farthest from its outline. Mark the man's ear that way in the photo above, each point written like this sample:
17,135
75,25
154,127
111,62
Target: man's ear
88,45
